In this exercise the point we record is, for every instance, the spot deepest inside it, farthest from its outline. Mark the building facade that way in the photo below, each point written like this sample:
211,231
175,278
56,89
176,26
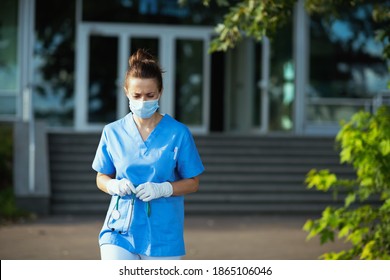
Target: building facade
62,66
71,56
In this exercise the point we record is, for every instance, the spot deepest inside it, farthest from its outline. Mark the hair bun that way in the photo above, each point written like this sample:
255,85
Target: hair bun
145,66
143,56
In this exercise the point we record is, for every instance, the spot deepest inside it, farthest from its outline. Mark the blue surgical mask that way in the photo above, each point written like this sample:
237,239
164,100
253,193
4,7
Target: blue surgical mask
143,109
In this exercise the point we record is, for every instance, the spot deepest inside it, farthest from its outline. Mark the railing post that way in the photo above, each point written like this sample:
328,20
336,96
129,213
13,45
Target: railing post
264,84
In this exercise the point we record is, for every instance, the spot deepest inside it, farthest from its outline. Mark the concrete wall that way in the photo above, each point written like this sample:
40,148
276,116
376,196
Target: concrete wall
35,198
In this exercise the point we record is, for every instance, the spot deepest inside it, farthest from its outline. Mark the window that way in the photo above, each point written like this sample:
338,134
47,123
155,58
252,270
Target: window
54,61
9,67
346,65
152,11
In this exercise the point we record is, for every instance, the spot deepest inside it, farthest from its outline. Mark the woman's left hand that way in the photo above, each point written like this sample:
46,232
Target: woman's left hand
148,191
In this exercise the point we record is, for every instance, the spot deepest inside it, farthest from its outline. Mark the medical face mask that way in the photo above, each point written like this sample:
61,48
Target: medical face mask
143,109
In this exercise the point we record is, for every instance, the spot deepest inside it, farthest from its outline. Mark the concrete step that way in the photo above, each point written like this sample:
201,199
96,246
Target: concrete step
243,174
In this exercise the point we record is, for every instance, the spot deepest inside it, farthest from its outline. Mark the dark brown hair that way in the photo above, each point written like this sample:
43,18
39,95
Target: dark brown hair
145,66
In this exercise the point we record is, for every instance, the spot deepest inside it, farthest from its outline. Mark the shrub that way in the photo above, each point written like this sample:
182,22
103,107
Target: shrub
364,219
5,156
8,209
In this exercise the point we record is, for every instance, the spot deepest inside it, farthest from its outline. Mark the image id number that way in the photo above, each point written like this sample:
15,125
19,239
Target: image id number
242,270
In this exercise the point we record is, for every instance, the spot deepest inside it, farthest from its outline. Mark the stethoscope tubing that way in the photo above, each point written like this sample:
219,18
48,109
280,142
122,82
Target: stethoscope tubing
116,208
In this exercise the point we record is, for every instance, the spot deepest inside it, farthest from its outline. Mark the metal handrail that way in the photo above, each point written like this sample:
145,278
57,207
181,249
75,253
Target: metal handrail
339,101
370,104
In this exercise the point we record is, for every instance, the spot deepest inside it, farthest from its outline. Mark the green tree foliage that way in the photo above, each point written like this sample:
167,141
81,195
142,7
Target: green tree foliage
364,220
251,18
257,18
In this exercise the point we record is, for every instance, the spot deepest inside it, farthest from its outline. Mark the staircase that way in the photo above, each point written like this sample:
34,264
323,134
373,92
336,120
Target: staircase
263,174
72,178
243,174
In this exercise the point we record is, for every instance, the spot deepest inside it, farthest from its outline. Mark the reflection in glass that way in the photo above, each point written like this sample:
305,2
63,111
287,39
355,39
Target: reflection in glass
153,12
8,57
281,89
149,44
54,58
102,88
148,7
345,62
189,81
257,101
8,105
333,113
8,45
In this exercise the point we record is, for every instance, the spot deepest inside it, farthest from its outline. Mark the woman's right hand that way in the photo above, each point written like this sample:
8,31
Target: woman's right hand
120,187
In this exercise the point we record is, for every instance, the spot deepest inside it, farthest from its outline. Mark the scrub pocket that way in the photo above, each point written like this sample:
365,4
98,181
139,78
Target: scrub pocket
125,206
165,165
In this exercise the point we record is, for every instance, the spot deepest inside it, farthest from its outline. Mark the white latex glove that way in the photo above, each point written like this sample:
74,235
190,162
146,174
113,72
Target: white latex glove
120,187
148,191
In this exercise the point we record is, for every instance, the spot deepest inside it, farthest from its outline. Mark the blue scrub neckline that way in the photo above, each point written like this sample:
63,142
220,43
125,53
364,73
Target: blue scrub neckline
135,132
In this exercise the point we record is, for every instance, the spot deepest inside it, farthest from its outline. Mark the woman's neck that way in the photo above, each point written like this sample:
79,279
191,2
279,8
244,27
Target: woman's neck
146,126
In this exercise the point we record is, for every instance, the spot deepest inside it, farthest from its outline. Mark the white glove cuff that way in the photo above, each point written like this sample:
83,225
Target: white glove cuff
112,186
167,189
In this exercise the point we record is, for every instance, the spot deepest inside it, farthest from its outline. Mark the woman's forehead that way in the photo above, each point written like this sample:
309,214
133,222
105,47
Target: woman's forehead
141,84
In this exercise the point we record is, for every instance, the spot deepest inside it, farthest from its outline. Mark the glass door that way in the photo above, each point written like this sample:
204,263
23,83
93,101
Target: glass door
260,85
247,88
101,82
189,81
102,61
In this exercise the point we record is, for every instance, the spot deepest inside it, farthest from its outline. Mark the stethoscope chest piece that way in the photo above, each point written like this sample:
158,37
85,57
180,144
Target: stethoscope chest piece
115,214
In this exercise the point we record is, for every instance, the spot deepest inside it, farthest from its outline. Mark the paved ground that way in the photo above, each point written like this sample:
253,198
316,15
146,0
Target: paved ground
207,238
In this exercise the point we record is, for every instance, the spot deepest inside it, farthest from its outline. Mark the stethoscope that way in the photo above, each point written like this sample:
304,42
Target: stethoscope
116,214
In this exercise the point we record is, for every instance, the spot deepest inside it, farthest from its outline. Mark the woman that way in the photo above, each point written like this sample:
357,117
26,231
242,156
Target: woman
147,162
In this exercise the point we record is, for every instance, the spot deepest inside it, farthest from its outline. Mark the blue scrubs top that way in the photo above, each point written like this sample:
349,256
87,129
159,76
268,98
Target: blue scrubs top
169,154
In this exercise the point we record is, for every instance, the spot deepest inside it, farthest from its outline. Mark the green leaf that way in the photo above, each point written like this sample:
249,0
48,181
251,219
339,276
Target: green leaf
384,147
366,182
357,236
351,197
386,206
308,225
322,180
331,179
326,235
367,251
335,256
345,155
344,231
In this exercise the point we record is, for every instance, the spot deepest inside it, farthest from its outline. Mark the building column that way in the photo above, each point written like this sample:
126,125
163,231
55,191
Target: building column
301,61
26,38
30,166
